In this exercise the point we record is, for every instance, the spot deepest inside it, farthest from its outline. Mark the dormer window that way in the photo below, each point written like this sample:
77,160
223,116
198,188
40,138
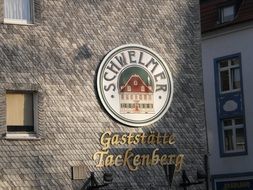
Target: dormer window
227,13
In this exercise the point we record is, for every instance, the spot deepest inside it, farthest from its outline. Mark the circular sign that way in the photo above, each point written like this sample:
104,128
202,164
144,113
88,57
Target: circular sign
134,85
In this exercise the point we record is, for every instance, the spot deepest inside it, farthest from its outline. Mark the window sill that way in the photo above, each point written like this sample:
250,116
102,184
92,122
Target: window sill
21,136
17,22
234,153
230,91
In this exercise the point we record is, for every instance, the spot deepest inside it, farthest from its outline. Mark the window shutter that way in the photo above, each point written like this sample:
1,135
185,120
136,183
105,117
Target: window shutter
1,11
19,109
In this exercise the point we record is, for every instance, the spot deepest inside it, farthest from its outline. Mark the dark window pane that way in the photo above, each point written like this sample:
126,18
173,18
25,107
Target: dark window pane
236,79
227,122
223,63
12,128
228,134
224,79
235,61
240,139
239,121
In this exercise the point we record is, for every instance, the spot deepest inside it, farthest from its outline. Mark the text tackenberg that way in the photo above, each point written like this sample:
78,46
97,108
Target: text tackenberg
132,160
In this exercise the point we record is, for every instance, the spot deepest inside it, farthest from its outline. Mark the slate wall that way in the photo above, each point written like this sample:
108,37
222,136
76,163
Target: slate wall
58,57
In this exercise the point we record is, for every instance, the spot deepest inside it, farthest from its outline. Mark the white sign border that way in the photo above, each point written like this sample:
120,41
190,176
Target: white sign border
98,78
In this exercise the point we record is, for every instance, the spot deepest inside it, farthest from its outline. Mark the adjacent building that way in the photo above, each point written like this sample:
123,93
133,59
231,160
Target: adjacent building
227,43
55,130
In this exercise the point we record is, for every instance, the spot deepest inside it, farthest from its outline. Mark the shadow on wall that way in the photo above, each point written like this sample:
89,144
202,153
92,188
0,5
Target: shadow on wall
84,52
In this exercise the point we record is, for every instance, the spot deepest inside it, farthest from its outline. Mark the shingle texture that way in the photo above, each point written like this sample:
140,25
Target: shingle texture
59,56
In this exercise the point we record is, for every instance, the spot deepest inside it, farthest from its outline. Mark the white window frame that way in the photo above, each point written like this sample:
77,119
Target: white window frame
229,68
232,127
21,21
24,135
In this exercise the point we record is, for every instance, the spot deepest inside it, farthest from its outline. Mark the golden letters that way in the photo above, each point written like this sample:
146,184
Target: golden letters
134,161
107,139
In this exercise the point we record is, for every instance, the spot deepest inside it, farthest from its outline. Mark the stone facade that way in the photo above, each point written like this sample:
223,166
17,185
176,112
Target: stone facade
58,57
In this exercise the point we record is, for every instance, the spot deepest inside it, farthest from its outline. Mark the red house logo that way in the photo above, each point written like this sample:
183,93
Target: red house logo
136,96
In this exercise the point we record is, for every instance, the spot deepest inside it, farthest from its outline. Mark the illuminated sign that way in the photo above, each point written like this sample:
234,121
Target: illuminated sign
134,85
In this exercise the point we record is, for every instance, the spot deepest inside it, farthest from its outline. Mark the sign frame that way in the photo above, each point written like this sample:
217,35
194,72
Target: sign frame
105,102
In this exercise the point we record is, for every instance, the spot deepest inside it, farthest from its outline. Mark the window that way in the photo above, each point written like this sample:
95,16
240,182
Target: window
128,88
227,13
229,74
233,135
142,88
230,106
20,112
18,11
